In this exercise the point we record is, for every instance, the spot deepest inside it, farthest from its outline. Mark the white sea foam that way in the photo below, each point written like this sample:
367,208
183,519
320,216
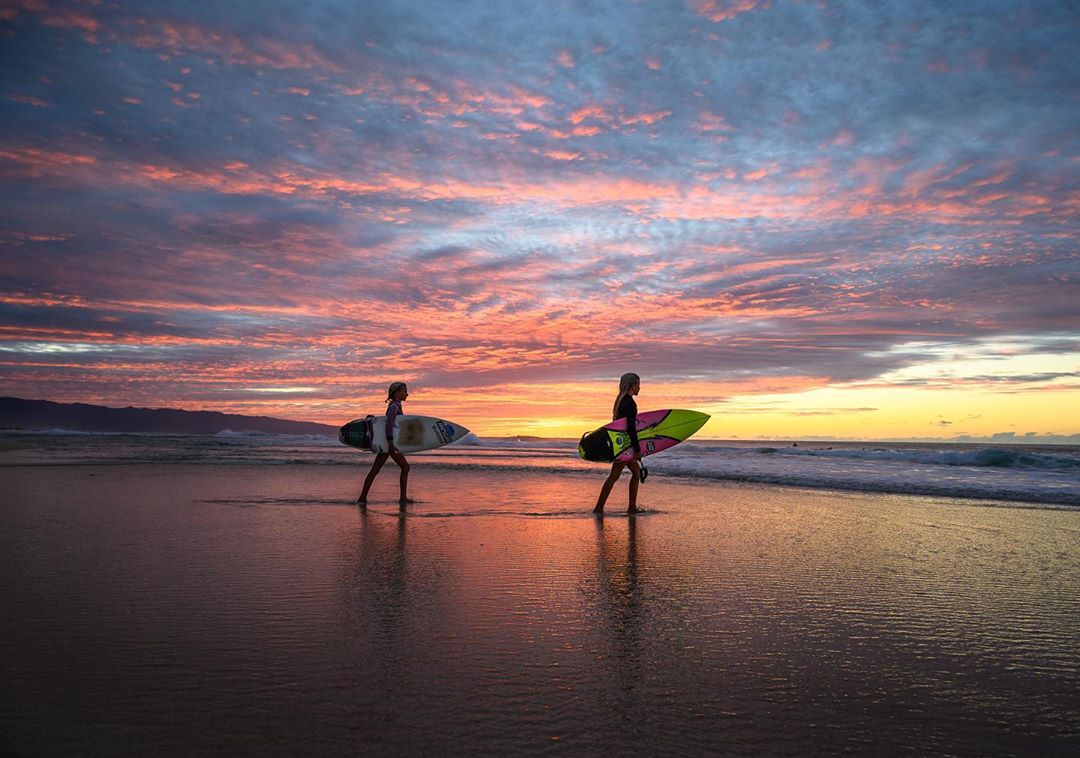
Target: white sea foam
896,474
514,443
993,457
285,439
1028,474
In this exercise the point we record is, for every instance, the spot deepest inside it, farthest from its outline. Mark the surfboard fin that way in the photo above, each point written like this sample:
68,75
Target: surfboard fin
644,473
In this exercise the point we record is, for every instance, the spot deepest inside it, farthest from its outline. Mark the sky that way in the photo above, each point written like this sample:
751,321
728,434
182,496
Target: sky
808,219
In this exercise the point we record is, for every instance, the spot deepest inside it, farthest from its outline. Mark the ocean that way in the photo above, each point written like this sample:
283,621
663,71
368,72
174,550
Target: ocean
1033,475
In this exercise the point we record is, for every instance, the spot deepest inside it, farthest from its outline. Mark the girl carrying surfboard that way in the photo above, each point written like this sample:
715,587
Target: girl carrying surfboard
395,396
625,407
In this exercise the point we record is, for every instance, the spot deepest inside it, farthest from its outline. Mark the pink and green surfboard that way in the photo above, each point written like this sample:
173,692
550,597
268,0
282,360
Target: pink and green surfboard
656,431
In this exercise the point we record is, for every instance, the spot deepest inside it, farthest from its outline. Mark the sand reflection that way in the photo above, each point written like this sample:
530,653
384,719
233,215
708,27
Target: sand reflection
622,610
383,566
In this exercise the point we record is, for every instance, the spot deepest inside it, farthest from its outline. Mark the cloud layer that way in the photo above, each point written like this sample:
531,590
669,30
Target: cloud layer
206,205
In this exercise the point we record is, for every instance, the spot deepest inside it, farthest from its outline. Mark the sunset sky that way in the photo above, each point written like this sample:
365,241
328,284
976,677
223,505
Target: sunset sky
809,219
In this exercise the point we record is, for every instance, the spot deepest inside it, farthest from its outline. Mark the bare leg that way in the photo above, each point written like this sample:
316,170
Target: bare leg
403,480
616,470
380,459
635,477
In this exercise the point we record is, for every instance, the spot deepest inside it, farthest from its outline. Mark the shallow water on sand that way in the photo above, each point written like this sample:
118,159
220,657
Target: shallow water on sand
211,609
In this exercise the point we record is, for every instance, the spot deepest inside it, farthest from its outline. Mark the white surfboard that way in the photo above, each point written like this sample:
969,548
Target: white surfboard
412,434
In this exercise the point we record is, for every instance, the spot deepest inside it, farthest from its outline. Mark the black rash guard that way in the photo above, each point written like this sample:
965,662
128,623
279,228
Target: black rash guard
628,410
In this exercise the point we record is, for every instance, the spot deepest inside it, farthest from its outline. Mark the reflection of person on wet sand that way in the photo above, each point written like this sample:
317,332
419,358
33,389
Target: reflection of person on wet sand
396,395
382,569
621,597
625,407
385,599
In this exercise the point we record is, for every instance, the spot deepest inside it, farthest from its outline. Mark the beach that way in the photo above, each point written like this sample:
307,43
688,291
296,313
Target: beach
226,608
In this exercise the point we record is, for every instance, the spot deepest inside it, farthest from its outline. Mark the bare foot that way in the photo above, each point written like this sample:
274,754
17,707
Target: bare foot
598,511
405,501
632,510
362,502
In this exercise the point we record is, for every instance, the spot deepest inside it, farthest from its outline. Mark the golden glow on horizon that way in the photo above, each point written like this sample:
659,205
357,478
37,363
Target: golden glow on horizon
977,390
842,412
898,412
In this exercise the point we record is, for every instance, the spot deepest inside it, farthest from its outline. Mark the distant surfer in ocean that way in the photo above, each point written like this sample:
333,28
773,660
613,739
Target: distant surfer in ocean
395,396
625,407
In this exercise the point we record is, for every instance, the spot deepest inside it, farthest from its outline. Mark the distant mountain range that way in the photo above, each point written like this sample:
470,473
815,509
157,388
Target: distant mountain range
17,413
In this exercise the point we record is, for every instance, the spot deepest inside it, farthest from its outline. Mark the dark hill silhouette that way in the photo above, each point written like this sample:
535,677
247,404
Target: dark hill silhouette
17,413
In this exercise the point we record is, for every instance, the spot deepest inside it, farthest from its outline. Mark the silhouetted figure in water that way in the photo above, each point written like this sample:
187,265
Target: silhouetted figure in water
395,396
625,407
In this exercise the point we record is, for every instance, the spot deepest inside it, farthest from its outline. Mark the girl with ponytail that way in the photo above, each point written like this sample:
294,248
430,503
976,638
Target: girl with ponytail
625,407
395,396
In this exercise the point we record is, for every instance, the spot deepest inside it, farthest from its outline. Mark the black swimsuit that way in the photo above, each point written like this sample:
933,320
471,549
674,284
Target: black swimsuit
628,409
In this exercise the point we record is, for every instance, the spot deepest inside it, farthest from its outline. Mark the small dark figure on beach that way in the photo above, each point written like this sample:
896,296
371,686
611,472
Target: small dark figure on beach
395,396
625,407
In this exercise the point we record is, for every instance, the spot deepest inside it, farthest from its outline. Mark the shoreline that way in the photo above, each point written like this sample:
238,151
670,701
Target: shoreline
1046,441
1066,501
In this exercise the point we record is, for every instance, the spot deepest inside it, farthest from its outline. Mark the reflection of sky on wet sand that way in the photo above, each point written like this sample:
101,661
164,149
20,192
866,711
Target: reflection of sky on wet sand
832,609
261,609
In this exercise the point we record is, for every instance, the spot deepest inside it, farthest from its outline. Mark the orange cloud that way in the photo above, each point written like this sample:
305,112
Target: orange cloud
589,111
723,10
35,162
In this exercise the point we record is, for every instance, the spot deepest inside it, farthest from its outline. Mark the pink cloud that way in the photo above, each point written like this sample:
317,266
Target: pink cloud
877,186
37,162
37,102
711,122
589,111
558,155
177,38
72,19
723,10
843,138
645,118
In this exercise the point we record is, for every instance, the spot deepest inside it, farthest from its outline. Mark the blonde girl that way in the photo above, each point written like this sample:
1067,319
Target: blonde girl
625,407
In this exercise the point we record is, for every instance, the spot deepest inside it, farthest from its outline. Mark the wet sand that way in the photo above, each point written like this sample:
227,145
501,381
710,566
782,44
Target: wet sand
198,608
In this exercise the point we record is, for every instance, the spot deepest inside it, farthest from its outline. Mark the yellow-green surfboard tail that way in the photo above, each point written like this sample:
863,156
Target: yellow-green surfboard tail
656,432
